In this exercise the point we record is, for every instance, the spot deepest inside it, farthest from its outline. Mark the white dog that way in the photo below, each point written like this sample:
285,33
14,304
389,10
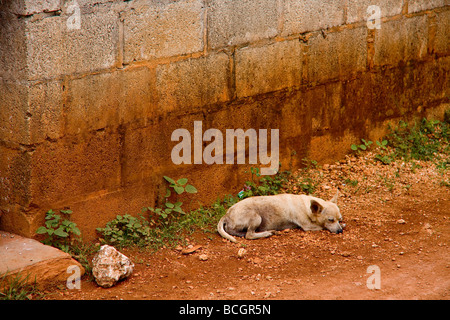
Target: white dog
260,217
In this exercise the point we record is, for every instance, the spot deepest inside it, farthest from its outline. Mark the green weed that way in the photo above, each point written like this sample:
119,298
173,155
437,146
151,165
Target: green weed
264,186
126,230
424,140
165,212
18,287
364,146
59,230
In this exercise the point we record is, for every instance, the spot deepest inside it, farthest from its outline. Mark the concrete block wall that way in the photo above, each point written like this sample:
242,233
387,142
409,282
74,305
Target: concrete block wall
87,110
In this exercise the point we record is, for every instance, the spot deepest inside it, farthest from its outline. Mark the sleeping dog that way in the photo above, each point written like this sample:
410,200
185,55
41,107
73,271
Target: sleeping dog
260,217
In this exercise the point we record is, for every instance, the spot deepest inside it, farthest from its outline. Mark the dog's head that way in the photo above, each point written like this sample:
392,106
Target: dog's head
327,215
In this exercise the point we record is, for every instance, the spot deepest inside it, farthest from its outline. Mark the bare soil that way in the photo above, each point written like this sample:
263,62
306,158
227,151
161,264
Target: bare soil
397,218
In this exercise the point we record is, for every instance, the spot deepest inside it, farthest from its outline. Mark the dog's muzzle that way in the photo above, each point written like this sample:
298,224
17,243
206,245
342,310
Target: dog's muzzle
335,228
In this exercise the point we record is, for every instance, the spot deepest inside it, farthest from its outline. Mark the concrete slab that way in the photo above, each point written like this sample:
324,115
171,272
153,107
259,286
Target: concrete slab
29,257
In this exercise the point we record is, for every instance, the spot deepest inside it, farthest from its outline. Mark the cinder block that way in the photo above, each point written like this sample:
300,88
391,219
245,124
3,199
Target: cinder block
398,92
401,40
45,111
163,29
442,39
268,68
421,5
29,113
337,54
325,108
357,9
148,150
109,99
14,124
29,7
73,168
296,117
328,148
356,105
427,82
192,83
53,49
233,22
14,178
95,212
249,114
310,15
12,45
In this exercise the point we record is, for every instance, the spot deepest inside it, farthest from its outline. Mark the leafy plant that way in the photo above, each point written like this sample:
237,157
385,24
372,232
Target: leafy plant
59,229
383,156
364,146
422,141
263,186
382,144
126,230
180,186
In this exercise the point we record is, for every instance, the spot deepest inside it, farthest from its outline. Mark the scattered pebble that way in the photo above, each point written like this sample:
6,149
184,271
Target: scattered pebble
203,257
241,253
190,249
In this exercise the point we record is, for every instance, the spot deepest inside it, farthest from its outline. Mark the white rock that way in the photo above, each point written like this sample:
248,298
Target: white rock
110,266
241,253
203,257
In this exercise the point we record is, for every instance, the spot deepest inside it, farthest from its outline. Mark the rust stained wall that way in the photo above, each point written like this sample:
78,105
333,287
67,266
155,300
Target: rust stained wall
86,115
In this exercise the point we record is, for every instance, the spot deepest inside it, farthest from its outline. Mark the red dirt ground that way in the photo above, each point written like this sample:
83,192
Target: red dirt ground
402,230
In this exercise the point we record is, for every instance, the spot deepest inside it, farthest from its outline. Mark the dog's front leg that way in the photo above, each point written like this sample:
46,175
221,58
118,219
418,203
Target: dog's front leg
251,234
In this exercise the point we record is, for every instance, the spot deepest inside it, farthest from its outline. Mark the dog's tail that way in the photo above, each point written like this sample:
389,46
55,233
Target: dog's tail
222,231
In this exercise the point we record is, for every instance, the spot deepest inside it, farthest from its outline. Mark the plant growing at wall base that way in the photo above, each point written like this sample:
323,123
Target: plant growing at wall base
383,156
126,230
364,146
179,186
422,141
59,229
263,186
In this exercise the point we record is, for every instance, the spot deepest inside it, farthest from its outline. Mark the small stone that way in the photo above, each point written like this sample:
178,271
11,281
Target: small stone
401,221
241,253
190,249
203,257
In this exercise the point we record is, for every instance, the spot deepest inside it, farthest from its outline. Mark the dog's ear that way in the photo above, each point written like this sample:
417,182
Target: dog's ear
334,199
316,208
